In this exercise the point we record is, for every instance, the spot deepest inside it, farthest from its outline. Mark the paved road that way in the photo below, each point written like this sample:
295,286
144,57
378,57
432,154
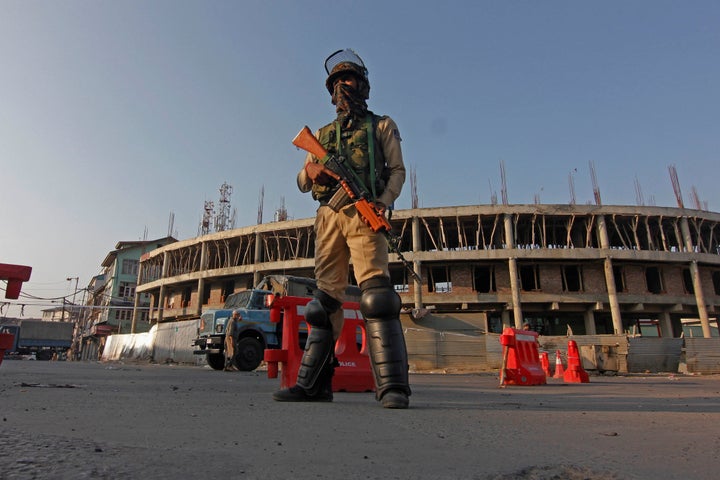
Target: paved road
91,420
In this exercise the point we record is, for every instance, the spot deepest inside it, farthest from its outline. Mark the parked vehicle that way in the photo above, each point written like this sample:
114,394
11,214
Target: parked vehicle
40,339
255,332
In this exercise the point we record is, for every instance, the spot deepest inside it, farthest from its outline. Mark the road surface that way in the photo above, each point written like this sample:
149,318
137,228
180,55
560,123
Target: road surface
106,421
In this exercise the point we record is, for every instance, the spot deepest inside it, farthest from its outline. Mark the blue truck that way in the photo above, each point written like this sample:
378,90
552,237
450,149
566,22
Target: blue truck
255,332
40,339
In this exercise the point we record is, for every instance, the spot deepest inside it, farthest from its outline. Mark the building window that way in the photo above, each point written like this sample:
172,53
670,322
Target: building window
228,289
716,282
185,299
529,278
126,290
687,281
619,276
572,278
653,278
440,280
484,279
206,294
129,267
398,278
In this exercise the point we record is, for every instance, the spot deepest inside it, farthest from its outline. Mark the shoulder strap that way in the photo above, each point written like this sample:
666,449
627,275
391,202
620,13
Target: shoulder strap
369,126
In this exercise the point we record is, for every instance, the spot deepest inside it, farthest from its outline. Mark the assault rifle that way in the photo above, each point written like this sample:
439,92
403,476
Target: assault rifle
336,168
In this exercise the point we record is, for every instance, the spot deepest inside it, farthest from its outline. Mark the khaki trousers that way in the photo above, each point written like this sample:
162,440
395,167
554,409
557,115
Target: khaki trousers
342,237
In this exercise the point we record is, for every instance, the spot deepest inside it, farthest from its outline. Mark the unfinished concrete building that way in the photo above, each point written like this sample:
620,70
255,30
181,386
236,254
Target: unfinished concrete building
585,269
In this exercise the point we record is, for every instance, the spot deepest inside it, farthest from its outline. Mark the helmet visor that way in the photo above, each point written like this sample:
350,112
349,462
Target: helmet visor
342,56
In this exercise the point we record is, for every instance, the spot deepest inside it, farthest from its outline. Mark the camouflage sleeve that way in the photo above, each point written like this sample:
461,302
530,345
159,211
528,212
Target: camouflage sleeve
389,138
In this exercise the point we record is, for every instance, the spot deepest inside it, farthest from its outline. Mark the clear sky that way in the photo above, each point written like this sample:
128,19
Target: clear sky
113,114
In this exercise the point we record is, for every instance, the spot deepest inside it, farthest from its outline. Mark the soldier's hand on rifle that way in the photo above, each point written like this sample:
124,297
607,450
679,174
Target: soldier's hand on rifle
380,207
316,173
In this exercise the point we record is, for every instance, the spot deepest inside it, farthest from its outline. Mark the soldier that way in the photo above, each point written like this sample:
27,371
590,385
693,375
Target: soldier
371,145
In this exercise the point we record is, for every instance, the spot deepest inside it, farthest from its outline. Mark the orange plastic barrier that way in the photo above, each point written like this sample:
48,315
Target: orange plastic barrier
15,276
521,358
352,375
545,362
559,369
575,372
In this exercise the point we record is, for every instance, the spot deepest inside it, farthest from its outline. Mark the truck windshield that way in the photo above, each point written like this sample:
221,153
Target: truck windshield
238,300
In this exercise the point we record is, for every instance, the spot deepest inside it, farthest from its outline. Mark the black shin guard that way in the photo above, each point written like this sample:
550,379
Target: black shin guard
318,364
380,306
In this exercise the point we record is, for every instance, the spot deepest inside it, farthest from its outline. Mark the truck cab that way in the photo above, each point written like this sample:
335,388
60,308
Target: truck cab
253,334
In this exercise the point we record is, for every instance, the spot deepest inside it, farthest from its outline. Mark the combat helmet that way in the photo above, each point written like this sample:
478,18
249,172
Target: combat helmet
347,61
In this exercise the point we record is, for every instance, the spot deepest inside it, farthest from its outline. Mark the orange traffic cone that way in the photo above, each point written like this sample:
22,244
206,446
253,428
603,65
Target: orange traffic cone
575,372
559,370
545,362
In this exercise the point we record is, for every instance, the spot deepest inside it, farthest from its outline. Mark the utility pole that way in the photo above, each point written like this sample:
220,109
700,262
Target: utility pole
76,329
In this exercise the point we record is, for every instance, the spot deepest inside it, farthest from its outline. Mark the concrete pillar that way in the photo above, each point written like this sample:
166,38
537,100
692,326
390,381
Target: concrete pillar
700,299
505,318
697,284
257,276
590,322
163,276
666,328
136,302
417,265
201,280
512,268
610,276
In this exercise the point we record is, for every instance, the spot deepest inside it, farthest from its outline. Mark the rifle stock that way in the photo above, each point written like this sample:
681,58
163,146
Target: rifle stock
307,141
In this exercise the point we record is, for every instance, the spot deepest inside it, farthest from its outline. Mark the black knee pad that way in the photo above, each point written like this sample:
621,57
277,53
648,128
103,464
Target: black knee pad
319,309
379,299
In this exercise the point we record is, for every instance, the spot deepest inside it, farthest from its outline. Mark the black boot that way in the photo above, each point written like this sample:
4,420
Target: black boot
380,306
321,391
317,367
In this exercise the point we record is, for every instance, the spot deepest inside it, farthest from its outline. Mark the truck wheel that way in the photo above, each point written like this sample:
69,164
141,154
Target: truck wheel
216,360
249,354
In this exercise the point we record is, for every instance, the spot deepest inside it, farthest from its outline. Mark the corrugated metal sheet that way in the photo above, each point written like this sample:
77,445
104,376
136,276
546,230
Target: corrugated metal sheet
430,350
702,355
649,354
494,351
619,344
422,349
463,352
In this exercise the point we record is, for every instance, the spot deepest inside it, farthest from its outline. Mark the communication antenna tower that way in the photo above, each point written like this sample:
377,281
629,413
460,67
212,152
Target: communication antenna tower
208,212
571,183
281,213
233,218
223,216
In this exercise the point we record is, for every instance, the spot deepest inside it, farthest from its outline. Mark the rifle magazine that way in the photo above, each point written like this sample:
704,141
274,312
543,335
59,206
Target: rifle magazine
339,200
